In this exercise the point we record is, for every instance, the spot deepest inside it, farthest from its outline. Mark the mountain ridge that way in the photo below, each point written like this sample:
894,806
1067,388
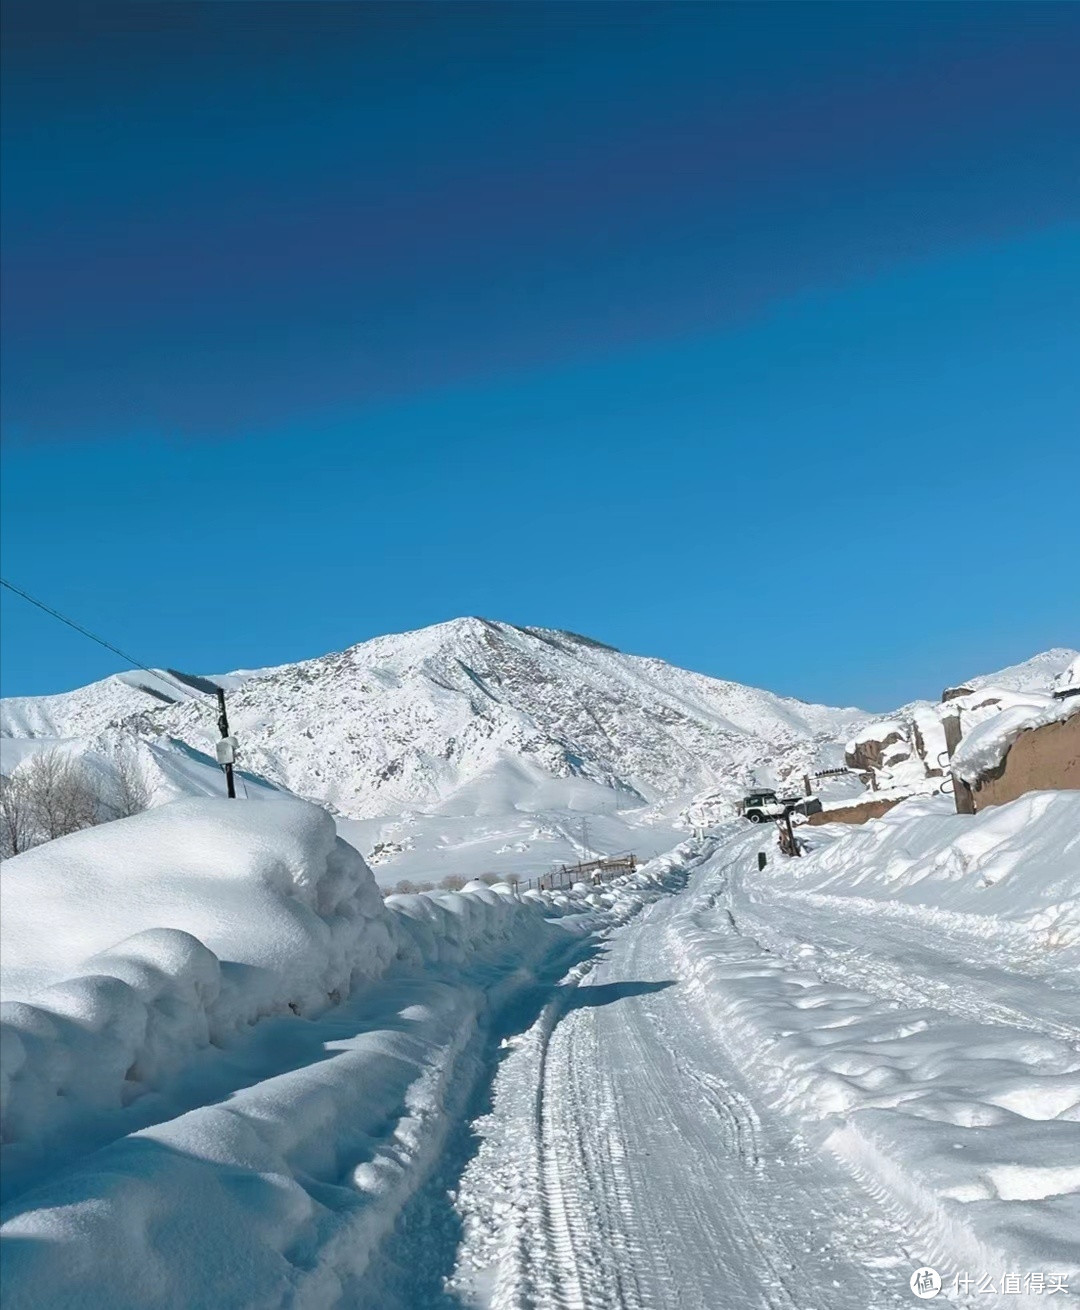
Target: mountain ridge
474,714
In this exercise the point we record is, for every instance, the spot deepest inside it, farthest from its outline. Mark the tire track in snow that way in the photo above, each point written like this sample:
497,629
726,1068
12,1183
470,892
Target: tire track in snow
657,1181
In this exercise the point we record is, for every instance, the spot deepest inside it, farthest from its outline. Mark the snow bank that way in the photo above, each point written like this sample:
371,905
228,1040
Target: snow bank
318,1123
969,1124
987,743
129,947
270,887
1002,869
909,991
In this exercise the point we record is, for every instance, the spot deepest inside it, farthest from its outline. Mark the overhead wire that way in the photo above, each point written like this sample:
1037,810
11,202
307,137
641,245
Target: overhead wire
129,659
108,645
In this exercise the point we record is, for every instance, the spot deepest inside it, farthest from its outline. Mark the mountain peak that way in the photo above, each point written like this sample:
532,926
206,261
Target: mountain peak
474,712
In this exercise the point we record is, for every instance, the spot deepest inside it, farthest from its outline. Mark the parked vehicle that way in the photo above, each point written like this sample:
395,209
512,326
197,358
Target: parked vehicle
763,805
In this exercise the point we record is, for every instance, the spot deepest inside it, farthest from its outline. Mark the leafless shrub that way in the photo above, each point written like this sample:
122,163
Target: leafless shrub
62,796
18,826
453,882
125,790
403,888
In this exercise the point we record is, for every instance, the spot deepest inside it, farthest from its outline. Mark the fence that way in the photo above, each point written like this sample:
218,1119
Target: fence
594,871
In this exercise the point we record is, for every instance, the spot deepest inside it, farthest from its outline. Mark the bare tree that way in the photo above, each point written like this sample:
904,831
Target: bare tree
453,882
61,793
125,791
18,824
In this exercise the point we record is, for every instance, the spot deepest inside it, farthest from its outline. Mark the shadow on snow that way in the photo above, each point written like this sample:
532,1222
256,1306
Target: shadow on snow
410,1271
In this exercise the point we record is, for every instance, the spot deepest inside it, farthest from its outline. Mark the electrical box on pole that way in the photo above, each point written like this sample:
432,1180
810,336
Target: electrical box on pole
226,747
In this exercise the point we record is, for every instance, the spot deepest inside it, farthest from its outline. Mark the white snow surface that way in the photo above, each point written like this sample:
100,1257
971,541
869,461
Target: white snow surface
129,948
1034,674
87,710
1068,677
207,1007
902,1003
917,994
231,1074
795,1083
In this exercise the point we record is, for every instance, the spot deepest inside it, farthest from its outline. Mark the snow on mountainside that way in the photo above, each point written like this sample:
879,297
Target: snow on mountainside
1035,674
472,717
87,710
475,746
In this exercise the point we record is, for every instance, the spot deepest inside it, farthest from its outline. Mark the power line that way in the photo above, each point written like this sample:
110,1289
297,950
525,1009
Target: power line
129,659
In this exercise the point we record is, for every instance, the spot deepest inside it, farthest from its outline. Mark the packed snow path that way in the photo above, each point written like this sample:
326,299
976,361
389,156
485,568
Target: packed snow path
627,1163
703,1086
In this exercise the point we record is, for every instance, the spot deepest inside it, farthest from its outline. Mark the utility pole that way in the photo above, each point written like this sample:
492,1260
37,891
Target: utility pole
226,747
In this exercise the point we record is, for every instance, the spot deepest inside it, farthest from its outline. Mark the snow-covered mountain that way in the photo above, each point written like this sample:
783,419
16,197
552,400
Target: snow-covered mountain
1036,674
468,717
87,710
472,719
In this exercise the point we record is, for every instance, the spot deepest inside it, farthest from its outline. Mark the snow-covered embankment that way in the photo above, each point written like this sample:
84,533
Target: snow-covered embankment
909,993
227,1062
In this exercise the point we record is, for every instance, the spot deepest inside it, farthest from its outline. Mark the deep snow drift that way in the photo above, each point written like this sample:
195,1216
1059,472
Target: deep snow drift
231,1104
911,988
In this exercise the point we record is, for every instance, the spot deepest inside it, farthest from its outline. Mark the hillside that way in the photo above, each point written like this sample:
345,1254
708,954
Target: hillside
475,745
467,717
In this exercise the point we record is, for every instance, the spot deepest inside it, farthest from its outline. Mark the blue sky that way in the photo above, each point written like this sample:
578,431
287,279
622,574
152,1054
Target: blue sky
745,336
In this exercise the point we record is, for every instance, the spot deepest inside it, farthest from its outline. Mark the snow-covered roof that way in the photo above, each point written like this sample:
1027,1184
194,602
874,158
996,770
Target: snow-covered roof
987,743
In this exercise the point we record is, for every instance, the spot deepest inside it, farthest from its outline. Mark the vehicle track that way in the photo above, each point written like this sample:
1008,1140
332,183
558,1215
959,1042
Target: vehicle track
656,1177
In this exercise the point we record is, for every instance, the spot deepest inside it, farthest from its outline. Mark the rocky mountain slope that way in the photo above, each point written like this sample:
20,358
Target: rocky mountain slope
474,718
469,717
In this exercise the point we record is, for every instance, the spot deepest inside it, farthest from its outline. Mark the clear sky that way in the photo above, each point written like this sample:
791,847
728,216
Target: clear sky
743,335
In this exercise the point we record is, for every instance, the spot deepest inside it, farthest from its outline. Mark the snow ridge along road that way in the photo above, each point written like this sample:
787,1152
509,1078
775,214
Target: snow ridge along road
269,1166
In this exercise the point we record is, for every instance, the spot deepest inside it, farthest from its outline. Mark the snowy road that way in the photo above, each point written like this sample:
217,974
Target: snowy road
708,1086
626,1163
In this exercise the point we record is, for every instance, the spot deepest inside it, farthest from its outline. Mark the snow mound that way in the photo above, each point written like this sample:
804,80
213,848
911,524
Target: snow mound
131,950
909,990
1007,865
129,947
